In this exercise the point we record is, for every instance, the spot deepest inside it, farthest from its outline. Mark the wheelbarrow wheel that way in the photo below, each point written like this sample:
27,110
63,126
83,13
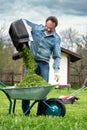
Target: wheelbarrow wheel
54,107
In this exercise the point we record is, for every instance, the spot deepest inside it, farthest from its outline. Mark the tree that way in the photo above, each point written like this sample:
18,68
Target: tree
70,39
73,41
80,68
6,61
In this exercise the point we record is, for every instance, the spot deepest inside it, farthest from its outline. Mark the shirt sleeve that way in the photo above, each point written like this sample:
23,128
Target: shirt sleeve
31,24
57,55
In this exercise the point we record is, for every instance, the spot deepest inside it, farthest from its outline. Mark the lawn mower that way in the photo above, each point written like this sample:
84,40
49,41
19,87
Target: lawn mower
71,99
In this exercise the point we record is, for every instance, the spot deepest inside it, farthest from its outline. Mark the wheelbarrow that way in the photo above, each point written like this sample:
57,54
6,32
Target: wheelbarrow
51,107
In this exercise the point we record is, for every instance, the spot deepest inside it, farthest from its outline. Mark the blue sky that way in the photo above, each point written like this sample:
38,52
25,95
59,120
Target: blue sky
70,13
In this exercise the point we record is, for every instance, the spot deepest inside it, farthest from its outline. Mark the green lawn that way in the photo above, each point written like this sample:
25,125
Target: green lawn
74,119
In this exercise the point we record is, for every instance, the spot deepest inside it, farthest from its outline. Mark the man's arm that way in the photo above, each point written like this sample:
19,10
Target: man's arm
57,58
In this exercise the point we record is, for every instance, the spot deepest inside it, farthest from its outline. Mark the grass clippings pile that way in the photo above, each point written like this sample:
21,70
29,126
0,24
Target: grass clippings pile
31,78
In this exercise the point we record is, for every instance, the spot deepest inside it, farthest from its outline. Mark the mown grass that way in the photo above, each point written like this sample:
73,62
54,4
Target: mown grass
75,118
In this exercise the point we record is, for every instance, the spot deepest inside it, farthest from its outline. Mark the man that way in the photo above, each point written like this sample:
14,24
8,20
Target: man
45,42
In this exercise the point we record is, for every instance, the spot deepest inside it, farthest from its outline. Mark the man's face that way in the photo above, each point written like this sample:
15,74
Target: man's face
49,26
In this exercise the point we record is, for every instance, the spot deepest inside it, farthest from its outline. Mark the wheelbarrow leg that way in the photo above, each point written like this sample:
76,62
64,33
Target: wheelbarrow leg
14,105
10,106
30,106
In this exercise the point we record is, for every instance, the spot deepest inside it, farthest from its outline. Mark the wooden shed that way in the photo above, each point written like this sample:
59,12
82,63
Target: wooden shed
67,56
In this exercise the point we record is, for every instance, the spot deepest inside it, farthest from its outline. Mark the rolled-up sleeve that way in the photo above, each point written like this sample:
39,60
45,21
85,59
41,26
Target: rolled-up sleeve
57,55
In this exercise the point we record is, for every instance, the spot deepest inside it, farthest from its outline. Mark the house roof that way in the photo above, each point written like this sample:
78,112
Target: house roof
73,56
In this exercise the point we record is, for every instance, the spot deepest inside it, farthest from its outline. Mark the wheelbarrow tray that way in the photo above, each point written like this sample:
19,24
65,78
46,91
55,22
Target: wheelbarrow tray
32,93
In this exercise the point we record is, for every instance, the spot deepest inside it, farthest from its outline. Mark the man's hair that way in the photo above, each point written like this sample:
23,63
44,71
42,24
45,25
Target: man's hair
53,19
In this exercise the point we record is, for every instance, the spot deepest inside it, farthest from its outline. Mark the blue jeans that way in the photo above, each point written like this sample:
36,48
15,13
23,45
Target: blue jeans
25,106
43,71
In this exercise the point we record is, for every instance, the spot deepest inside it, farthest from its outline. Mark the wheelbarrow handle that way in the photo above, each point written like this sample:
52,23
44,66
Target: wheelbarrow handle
4,85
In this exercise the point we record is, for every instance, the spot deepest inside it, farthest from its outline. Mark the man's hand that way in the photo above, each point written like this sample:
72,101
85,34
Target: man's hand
56,76
17,56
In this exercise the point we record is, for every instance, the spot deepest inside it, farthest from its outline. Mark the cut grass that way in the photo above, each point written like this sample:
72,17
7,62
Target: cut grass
74,119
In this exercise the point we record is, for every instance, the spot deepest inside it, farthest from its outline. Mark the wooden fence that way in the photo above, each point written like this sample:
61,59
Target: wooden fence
75,79
10,78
